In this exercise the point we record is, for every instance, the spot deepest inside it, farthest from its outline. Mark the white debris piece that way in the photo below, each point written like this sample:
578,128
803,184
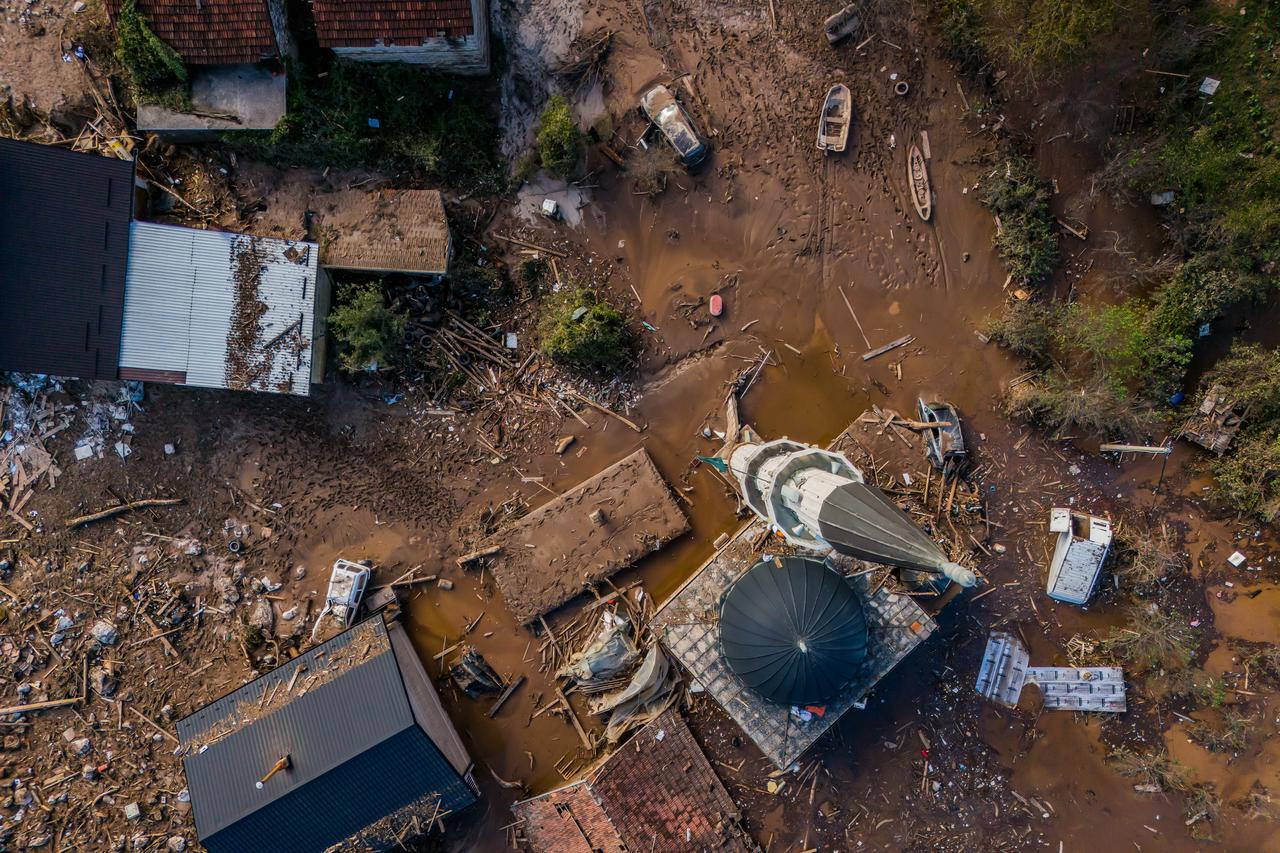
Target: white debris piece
1237,559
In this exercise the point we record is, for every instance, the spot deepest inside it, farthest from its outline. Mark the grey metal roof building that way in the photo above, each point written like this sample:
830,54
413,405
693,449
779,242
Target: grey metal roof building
364,737
64,224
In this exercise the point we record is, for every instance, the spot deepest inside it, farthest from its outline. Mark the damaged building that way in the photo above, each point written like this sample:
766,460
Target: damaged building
345,746
115,298
657,792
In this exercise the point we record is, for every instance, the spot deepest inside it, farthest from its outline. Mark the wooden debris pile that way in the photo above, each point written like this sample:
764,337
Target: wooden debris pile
27,420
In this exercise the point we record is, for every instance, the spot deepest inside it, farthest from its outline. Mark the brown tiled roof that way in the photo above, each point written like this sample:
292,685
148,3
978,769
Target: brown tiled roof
209,32
389,231
568,820
656,793
364,23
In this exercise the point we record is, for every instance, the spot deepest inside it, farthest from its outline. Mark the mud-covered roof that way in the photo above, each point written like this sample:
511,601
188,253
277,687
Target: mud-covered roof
390,231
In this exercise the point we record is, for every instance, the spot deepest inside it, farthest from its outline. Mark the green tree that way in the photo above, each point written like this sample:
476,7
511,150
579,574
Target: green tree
369,331
580,329
558,137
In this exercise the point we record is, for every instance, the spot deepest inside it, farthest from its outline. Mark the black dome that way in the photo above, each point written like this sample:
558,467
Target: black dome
793,630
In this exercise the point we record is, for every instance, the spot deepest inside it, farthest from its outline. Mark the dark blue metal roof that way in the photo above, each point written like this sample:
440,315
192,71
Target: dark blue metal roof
356,751
64,225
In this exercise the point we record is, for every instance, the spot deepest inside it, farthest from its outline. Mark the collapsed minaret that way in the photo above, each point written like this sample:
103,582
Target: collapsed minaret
819,501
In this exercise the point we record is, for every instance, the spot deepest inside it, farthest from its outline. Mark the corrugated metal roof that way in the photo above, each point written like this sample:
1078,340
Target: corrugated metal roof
221,310
64,225
356,753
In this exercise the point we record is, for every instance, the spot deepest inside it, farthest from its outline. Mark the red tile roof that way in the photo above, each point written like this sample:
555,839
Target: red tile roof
364,23
657,793
209,32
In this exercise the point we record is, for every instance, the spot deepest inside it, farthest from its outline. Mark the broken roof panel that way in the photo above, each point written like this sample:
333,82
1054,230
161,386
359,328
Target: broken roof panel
389,231
209,32
64,224
342,715
219,310
369,23
657,792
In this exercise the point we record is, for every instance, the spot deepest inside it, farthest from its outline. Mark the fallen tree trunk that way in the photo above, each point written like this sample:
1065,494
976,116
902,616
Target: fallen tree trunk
119,508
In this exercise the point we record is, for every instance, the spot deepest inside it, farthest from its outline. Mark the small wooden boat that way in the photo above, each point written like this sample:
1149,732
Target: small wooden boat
837,116
842,24
918,179
944,439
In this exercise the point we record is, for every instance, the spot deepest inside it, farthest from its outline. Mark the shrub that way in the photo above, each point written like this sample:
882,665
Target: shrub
1248,478
961,27
1026,328
1026,241
369,331
1064,406
558,137
1152,770
581,330
1047,35
473,283
1155,639
1146,557
151,64
1251,377
649,169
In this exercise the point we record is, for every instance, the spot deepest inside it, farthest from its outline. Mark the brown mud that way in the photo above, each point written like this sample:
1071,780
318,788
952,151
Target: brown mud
780,232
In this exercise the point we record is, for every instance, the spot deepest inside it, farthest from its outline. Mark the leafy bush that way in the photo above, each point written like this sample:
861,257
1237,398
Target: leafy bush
152,65
369,331
1146,557
436,126
558,137
1248,478
1026,328
1155,639
1046,36
1065,406
581,330
1026,241
962,37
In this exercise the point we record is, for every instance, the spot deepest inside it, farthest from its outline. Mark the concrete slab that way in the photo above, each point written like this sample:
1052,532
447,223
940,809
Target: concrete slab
558,550
224,97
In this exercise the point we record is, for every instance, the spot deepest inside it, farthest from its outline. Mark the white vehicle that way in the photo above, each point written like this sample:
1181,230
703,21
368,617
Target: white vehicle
662,108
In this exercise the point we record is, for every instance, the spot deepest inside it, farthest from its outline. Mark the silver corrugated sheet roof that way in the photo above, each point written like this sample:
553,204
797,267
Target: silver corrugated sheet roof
219,310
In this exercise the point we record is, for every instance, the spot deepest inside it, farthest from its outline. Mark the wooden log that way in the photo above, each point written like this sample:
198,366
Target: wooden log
553,252
479,553
892,345
573,718
39,706
120,508
604,409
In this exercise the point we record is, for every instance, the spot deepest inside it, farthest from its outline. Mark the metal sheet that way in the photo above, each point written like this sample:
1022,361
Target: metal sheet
189,294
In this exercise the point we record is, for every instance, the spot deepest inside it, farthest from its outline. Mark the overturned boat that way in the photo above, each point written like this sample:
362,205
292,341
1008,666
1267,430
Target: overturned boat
843,24
836,117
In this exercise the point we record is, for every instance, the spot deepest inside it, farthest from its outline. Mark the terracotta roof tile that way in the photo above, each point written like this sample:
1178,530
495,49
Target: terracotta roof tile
210,32
657,792
364,23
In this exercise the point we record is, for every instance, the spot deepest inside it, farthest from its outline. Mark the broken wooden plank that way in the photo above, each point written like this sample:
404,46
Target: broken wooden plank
1164,450
145,503
892,345
506,694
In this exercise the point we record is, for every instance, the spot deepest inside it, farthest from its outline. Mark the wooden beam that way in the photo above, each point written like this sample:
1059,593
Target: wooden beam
892,345
1164,450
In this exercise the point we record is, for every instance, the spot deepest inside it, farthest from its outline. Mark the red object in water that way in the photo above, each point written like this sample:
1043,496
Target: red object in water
717,305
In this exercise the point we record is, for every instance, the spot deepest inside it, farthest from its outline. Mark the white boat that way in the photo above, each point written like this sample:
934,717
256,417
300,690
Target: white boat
836,118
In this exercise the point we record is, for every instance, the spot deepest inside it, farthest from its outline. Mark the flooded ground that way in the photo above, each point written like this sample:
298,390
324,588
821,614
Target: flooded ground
818,259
